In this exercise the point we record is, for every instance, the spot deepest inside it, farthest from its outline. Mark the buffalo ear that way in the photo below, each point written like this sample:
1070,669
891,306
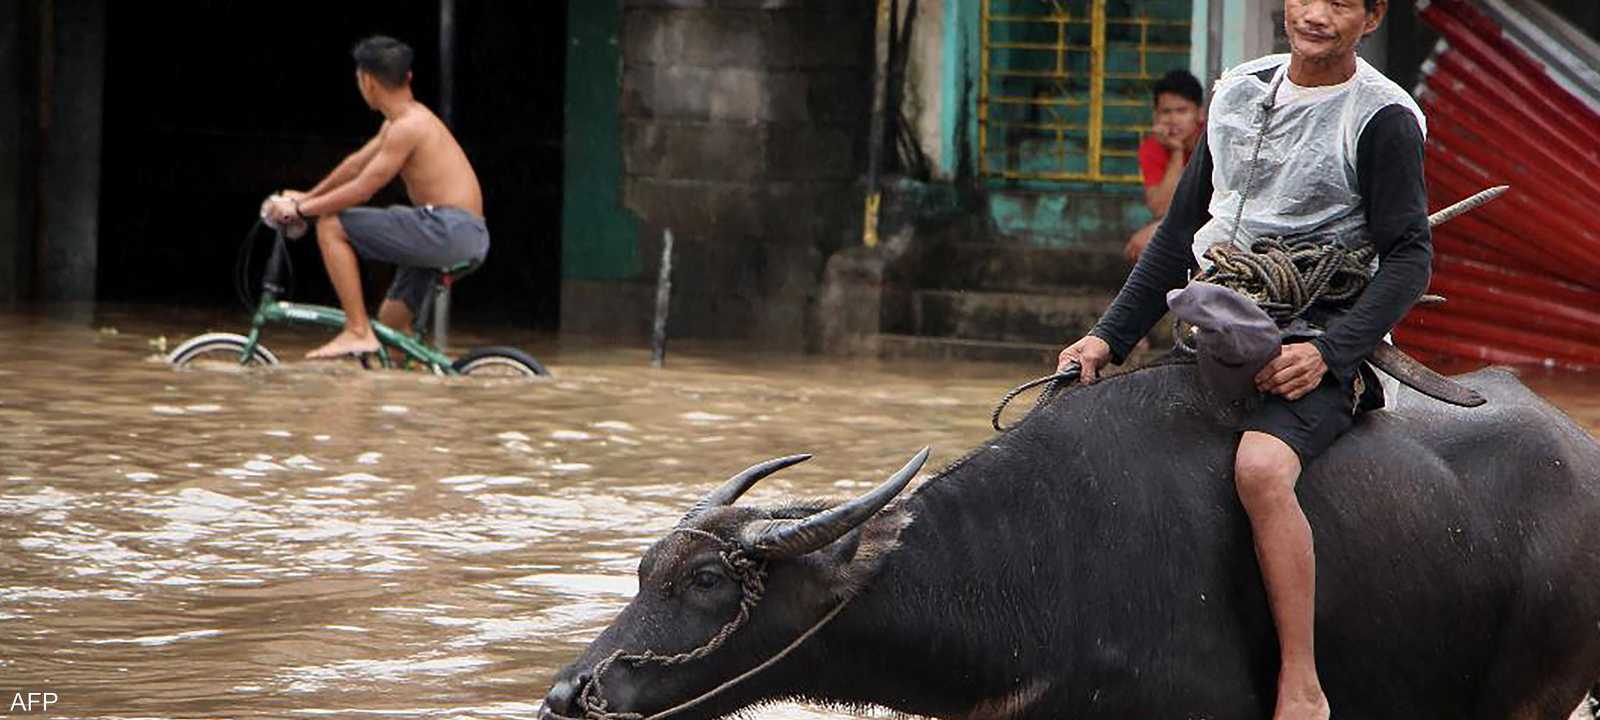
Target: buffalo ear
855,559
843,551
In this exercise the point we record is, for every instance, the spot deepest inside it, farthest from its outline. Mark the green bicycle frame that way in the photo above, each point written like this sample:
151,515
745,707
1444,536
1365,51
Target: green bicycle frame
272,310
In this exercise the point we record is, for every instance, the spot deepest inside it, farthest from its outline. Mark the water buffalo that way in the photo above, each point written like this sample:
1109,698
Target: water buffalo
1094,562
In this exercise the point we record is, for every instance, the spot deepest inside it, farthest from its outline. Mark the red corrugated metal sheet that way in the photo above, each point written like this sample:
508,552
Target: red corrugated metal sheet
1522,273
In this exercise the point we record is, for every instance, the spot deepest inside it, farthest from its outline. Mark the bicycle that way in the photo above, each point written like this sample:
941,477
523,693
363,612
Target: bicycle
247,350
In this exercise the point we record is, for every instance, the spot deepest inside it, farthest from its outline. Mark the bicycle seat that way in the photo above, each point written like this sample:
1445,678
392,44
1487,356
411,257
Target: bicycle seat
449,275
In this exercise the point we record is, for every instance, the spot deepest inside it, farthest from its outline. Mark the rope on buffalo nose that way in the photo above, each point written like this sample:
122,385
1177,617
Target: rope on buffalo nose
1056,380
752,574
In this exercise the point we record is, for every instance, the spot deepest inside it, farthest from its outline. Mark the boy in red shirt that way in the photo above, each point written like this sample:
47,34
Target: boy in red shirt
1180,121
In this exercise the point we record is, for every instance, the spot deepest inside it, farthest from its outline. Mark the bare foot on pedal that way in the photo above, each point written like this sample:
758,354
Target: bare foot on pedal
347,342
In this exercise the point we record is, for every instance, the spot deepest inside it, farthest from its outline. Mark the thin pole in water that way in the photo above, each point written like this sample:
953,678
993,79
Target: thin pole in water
447,113
658,342
447,61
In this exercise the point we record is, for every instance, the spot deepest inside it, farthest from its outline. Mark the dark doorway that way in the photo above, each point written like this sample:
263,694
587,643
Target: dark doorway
211,106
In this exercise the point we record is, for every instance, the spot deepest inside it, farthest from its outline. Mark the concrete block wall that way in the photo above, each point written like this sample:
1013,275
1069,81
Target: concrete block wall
744,131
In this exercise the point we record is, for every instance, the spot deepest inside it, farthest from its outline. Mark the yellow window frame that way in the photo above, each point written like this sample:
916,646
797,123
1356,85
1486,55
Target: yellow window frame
1092,133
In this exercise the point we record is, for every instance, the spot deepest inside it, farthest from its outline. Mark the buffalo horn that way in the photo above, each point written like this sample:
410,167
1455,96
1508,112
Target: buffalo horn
737,485
1422,378
791,538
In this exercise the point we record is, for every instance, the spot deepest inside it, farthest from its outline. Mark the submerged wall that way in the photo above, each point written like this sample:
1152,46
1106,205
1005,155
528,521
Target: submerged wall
18,31
70,169
52,70
743,130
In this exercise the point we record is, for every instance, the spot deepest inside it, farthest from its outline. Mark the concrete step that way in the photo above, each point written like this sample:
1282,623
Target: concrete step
1040,357
1037,355
1017,267
1008,317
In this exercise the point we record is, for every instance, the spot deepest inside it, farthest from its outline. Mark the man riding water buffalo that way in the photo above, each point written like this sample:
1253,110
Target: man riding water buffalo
1093,563
1098,561
1339,159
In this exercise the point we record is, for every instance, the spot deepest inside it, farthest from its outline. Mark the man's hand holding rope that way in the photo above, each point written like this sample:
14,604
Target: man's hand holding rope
1297,371
1091,353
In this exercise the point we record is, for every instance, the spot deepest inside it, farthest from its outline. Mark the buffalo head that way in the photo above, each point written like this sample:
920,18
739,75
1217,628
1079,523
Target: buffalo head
724,591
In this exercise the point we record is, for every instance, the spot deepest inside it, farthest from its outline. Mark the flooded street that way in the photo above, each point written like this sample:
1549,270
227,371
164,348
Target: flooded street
316,540
319,540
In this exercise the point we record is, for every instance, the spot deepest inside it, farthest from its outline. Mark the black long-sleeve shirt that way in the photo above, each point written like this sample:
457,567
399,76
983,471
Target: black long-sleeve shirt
1395,198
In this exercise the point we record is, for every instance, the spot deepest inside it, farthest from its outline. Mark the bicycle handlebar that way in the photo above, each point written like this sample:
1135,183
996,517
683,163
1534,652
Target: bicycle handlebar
294,230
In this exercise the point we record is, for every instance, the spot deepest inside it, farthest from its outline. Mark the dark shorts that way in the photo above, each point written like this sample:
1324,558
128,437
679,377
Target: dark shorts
420,240
1311,424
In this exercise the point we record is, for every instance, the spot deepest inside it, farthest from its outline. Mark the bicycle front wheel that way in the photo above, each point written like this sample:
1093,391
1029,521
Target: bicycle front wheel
499,362
220,349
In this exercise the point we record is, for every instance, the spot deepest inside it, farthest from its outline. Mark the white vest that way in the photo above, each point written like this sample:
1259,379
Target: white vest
1305,179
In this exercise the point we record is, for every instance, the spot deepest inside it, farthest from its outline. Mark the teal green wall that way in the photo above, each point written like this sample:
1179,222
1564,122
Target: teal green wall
1066,216
598,235
1200,41
958,119
1233,32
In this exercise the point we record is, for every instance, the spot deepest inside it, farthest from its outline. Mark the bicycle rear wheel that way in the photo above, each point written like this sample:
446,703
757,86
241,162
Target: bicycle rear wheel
220,349
499,362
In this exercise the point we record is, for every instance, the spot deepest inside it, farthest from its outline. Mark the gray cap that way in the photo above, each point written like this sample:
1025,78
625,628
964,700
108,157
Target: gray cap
1234,337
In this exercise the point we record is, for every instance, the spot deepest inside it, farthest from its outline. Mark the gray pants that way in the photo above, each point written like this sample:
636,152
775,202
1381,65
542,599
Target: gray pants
420,240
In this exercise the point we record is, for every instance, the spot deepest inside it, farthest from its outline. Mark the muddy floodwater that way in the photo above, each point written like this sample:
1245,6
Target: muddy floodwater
314,540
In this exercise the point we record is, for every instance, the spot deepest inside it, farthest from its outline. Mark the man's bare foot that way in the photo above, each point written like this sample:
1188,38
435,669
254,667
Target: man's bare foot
347,342
1306,704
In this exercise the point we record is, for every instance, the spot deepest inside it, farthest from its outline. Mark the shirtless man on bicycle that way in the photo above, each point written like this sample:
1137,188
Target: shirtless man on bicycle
444,228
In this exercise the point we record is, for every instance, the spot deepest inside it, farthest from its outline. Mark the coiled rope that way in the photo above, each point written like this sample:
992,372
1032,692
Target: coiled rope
1285,277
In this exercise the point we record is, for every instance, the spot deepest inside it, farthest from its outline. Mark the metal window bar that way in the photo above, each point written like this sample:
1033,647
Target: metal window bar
1061,91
